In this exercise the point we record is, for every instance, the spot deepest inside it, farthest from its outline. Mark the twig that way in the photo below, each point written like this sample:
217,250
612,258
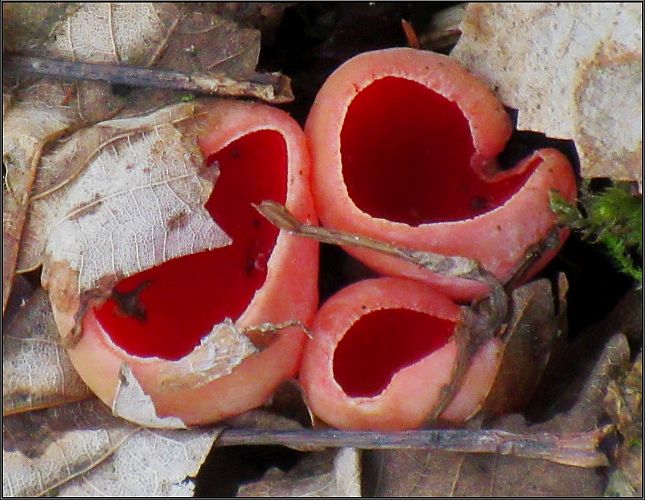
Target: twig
576,449
270,87
452,266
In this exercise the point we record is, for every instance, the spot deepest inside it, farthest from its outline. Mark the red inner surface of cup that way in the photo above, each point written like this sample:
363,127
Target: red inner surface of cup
406,157
381,343
165,311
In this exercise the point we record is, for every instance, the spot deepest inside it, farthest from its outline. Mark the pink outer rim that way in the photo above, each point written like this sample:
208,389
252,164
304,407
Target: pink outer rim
523,220
413,392
98,360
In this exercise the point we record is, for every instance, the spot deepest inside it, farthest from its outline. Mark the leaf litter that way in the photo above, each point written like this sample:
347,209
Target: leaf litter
118,454
37,372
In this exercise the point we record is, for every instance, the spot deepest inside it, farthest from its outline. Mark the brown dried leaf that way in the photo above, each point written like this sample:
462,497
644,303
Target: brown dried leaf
37,371
418,473
624,404
80,449
527,345
573,70
330,473
20,292
199,42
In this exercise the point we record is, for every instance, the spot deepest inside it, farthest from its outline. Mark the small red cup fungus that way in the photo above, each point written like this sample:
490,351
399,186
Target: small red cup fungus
263,276
403,145
381,352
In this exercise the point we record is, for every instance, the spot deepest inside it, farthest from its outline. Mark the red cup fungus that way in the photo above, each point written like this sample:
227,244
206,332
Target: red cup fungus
382,350
403,146
263,276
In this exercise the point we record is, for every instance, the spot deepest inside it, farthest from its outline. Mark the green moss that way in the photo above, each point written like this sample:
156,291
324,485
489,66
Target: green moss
612,218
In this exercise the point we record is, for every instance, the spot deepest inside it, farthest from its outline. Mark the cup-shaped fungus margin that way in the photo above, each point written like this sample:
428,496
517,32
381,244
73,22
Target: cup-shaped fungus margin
403,145
263,277
382,353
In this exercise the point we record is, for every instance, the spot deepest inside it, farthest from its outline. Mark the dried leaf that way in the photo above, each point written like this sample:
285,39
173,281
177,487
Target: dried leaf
418,473
20,292
166,35
573,70
37,371
527,345
44,109
136,200
329,473
624,404
80,449
217,355
134,405
43,449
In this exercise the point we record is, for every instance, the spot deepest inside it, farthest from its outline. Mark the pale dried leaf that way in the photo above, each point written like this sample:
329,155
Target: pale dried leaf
80,449
330,473
43,109
137,201
573,70
191,41
419,473
37,371
43,449
150,463
26,128
111,33
133,404
217,355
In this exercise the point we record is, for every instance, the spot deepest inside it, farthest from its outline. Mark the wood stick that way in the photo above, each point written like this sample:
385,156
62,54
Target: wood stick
270,87
576,449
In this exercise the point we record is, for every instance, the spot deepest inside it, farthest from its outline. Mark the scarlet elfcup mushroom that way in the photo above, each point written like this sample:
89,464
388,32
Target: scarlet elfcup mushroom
382,353
404,144
159,316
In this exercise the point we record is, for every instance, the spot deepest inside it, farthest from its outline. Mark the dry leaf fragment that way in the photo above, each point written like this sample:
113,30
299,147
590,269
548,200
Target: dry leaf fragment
527,346
41,110
330,473
217,355
573,70
43,449
132,404
37,371
624,404
417,473
80,449
137,194
21,290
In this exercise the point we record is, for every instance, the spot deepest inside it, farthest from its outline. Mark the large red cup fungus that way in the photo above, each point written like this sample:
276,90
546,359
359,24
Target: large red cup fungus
263,276
403,145
382,351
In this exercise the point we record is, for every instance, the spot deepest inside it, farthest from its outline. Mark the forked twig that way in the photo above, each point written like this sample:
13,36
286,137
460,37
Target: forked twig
451,266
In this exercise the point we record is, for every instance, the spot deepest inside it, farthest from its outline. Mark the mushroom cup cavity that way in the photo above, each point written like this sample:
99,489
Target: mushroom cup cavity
381,353
161,315
404,144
